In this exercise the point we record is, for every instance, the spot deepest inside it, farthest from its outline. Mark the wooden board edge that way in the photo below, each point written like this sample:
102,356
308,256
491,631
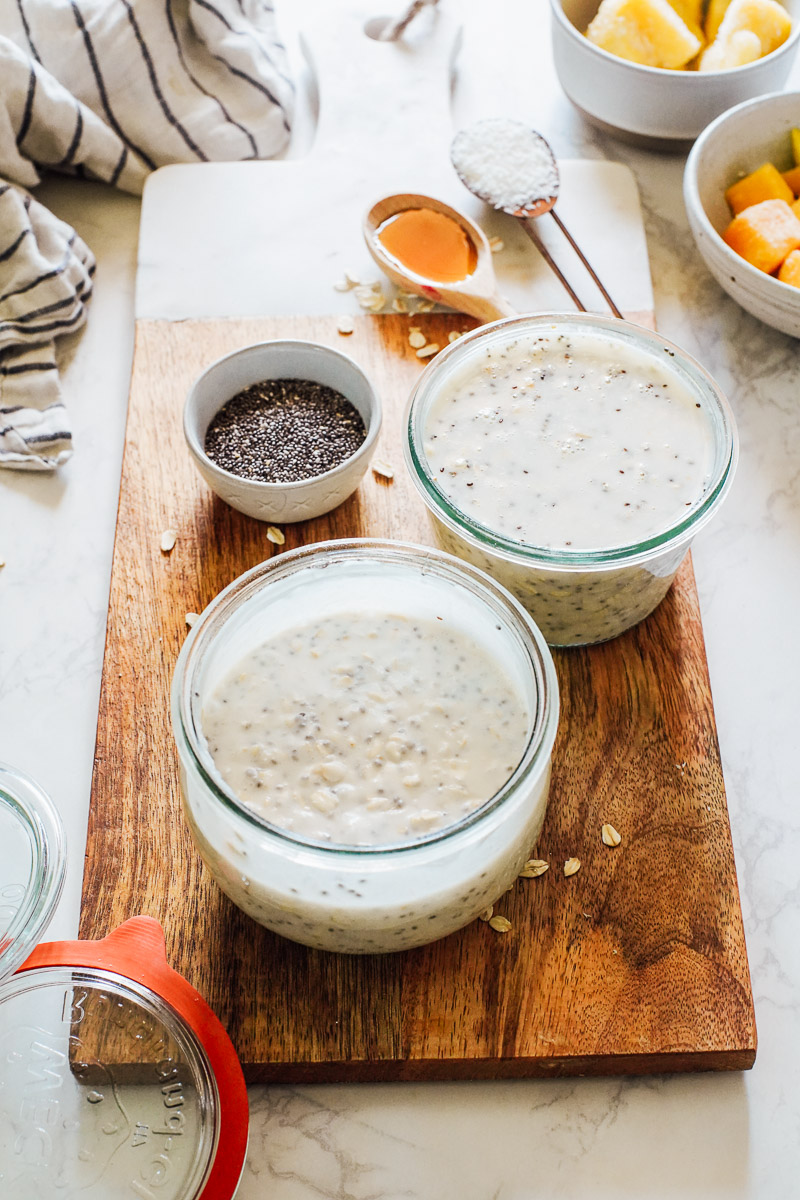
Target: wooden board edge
740,1058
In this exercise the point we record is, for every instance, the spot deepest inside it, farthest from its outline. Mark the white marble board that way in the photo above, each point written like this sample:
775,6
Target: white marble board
272,238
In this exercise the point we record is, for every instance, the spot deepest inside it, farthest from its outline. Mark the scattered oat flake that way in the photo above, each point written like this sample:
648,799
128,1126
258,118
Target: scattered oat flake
416,338
275,535
191,618
496,244
499,924
400,304
572,866
425,306
427,351
382,468
533,868
374,304
610,836
486,915
342,285
345,325
352,279
168,539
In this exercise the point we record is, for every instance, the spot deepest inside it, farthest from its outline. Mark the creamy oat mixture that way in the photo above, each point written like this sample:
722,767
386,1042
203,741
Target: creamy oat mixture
570,442
366,729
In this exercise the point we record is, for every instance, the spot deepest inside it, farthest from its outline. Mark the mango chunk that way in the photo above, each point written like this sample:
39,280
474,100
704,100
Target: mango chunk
766,183
790,270
795,207
765,19
643,31
764,234
793,179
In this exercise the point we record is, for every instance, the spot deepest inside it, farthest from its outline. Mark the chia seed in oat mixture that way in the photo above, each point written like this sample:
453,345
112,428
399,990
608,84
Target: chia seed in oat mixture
366,728
570,442
284,431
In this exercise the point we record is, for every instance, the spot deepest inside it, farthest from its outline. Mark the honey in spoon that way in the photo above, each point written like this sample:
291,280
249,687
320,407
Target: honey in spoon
429,244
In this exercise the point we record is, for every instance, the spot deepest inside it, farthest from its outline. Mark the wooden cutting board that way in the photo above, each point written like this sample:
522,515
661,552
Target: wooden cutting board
636,964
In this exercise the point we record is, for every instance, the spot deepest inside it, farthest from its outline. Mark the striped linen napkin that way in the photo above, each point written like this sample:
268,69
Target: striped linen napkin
109,90
46,279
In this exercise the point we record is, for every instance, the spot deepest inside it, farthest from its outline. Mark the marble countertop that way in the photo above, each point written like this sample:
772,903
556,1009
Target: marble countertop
715,1137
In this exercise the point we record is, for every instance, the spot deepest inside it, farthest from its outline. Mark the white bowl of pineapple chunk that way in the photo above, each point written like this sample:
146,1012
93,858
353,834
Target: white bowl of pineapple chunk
658,71
741,187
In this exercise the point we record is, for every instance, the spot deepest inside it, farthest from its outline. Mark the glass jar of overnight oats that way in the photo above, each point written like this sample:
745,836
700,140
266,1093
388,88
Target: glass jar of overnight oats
573,458
364,731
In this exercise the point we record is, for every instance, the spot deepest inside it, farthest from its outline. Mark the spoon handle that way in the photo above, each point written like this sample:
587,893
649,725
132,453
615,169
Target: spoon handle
485,308
586,263
552,264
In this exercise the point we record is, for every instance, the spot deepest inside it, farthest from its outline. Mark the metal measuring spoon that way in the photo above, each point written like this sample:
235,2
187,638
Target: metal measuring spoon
510,166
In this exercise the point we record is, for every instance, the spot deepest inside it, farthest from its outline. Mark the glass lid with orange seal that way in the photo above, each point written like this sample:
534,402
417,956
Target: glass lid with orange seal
117,1080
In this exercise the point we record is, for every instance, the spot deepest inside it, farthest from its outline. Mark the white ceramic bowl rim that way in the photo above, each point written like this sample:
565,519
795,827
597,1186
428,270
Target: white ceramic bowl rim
690,79
317,557
197,448
692,193
606,558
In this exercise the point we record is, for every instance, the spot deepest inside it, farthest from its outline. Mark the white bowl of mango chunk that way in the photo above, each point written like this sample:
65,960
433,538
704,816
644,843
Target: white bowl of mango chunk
741,187
659,71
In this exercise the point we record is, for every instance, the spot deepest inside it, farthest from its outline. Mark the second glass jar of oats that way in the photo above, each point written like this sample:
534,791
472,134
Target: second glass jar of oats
573,458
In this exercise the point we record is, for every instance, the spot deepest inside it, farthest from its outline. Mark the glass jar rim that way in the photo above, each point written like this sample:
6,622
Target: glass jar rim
610,557
29,805
322,555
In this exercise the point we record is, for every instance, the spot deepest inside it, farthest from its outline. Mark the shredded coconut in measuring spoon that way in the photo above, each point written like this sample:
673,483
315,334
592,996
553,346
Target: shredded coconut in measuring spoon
505,162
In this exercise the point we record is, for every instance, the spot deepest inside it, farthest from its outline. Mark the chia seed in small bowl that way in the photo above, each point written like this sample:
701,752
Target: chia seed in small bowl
283,430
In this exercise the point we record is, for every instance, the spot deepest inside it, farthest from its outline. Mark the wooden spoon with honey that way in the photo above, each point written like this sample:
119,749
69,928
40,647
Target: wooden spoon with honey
428,248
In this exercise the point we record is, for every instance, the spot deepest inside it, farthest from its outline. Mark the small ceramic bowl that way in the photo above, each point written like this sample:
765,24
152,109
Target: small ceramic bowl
736,143
283,502
658,108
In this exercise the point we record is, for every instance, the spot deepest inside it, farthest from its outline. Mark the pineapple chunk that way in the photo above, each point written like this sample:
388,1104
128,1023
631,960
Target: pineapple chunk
790,269
741,48
765,19
714,13
766,183
643,31
764,234
691,13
